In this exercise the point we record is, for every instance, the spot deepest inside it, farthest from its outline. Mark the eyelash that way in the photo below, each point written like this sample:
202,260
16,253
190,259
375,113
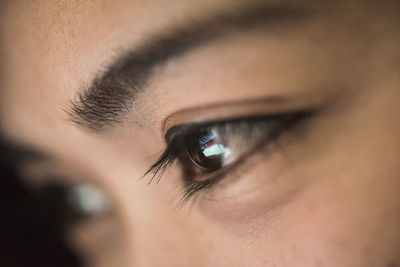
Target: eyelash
175,137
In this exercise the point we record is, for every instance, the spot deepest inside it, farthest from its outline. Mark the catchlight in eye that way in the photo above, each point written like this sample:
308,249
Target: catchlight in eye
208,150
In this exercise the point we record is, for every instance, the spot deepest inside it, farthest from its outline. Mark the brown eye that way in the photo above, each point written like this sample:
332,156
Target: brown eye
208,150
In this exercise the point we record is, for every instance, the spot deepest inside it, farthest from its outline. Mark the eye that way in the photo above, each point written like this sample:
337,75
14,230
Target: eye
208,151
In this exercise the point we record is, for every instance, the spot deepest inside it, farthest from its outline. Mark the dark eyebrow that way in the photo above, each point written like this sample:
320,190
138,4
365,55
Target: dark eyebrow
110,97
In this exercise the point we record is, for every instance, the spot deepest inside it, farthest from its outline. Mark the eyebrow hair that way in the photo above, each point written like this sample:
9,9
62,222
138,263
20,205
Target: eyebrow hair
110,97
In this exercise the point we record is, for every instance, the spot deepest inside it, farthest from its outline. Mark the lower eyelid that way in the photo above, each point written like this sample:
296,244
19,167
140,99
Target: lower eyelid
222,173
221,190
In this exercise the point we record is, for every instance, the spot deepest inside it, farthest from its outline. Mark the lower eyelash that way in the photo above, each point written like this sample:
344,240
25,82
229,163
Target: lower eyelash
195,187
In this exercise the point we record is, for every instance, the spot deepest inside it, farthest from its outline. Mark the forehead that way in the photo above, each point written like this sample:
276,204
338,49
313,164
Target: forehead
69,40
50,48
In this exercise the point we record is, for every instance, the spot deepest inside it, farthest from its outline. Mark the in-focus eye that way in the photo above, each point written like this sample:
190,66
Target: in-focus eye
206,152
208,149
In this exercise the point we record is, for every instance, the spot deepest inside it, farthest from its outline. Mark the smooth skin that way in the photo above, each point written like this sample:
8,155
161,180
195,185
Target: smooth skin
330,196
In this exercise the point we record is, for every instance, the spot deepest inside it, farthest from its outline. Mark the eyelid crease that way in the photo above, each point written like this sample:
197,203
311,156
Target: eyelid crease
241,109
188,128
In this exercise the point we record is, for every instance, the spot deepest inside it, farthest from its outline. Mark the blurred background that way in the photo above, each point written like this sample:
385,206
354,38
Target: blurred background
35,220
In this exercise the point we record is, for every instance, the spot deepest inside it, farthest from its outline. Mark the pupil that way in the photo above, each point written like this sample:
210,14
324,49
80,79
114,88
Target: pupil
208,151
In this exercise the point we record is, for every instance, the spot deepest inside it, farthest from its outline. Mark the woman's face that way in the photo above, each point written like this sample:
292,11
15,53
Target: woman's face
270,129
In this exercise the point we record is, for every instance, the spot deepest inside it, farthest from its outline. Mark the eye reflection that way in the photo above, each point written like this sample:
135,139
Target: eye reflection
208,150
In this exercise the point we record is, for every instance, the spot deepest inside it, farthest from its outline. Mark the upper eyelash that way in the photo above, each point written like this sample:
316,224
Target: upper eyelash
168,157
171,153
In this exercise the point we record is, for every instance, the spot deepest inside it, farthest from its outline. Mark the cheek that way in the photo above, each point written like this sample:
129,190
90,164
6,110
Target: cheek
349,215
339,207
342,224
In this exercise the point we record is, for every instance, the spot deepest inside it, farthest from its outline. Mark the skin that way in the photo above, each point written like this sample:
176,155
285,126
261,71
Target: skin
327,196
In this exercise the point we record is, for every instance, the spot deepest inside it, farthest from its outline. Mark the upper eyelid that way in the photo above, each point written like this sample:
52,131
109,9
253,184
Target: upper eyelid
260,106
187,128
225,111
